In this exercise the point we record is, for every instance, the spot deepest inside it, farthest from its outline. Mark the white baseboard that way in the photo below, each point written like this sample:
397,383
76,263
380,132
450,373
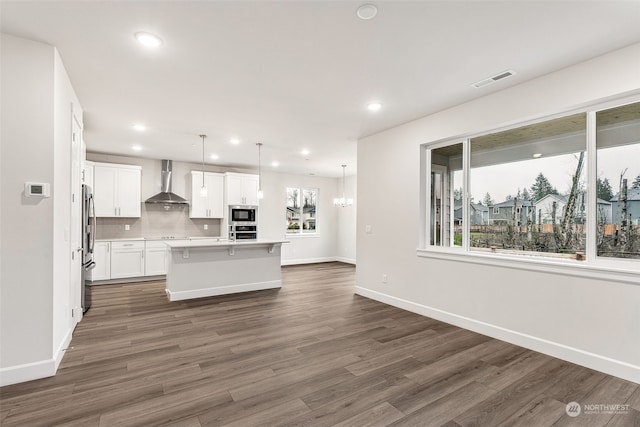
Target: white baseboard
223,290
306,261
27,372
598,362
36,370
59,354
346,260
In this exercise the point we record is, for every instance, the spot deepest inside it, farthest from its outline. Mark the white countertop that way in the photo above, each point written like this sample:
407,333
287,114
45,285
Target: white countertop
121,239
199,243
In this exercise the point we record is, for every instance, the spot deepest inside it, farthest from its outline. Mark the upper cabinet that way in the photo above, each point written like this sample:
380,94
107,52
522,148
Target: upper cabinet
210,205
116,190
242,189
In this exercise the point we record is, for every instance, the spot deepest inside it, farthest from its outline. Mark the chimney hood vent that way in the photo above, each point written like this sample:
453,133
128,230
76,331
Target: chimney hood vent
165,196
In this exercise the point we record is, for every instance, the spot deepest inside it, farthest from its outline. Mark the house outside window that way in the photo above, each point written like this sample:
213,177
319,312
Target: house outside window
301,210
571,194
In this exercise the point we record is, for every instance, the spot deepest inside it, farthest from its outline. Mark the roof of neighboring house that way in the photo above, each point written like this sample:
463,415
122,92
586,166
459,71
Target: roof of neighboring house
509,204
475,206
633,194
480,207
306,209
563,198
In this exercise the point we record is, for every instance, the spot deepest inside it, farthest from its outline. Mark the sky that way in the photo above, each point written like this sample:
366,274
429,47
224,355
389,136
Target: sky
505,179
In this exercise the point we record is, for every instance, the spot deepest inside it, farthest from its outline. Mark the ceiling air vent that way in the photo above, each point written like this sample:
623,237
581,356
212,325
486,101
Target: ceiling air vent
493,79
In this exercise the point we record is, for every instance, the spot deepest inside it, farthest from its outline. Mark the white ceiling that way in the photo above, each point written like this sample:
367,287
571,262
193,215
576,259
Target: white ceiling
296,75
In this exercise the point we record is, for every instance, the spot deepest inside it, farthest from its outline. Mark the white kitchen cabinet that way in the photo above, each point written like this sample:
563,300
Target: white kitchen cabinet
102,258
211,205
242,189
87,174
116,190
155,258
127,259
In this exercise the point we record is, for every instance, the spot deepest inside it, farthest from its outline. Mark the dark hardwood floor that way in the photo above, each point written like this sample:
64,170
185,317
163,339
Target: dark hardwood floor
311,353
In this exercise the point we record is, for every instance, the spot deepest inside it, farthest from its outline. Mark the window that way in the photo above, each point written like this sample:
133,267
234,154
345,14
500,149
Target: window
446,196
545,165
301,210
618,182
525,190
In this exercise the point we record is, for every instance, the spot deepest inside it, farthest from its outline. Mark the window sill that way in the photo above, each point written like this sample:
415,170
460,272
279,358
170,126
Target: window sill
522,262
297,235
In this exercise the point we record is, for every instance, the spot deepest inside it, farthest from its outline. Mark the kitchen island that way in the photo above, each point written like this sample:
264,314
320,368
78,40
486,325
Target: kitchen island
208,267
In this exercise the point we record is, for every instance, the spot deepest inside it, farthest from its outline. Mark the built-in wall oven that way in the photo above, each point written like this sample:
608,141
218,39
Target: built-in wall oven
242,223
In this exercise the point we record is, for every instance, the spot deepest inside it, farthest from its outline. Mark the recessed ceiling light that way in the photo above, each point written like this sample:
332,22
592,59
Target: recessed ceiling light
374,106
214,157
148,39
537,155
140,127
136,148
367,11
305,152
275,164
235,141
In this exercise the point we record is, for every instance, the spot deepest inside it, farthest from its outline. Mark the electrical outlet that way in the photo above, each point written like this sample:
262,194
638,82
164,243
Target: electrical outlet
385,279
368,229
206,226
127,227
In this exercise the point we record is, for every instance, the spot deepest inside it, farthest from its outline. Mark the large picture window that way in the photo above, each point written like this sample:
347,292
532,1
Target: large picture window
532,180
550,189
301,210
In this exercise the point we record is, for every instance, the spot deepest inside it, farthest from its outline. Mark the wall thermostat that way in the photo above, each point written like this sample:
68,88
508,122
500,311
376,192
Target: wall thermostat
36,189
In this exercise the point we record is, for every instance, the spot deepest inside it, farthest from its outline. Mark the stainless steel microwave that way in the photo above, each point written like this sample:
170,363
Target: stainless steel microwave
242,213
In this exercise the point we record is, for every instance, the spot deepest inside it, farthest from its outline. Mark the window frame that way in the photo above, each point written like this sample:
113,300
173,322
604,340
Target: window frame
594,266
315,232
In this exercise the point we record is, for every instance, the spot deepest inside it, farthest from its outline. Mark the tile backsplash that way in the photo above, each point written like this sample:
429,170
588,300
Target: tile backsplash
156,221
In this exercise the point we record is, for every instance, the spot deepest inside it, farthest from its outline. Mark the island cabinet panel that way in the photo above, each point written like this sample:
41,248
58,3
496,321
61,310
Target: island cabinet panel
204,268
211,204
127,259
242,189
116,190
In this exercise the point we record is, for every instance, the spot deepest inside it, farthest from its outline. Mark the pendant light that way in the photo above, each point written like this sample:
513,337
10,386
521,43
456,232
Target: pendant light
343,201
203,189
260,193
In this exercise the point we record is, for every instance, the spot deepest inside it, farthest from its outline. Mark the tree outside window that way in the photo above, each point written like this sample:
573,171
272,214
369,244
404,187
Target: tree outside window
301,212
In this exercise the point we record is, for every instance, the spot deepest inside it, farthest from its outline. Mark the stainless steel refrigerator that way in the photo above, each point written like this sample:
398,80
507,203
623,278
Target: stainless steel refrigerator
88,241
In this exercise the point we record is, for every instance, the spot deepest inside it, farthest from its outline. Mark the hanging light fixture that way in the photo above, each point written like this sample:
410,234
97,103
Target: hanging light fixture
203,189
260,193
343,201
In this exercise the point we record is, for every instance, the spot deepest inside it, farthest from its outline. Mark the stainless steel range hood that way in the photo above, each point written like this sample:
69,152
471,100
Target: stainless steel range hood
165,196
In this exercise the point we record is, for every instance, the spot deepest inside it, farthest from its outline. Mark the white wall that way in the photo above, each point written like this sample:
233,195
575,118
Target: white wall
65,298
585,320
26,288
301,249
35,292
346,245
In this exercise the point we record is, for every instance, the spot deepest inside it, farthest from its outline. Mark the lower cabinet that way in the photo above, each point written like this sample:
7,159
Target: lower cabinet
102,258
122,259
127,259
155,258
